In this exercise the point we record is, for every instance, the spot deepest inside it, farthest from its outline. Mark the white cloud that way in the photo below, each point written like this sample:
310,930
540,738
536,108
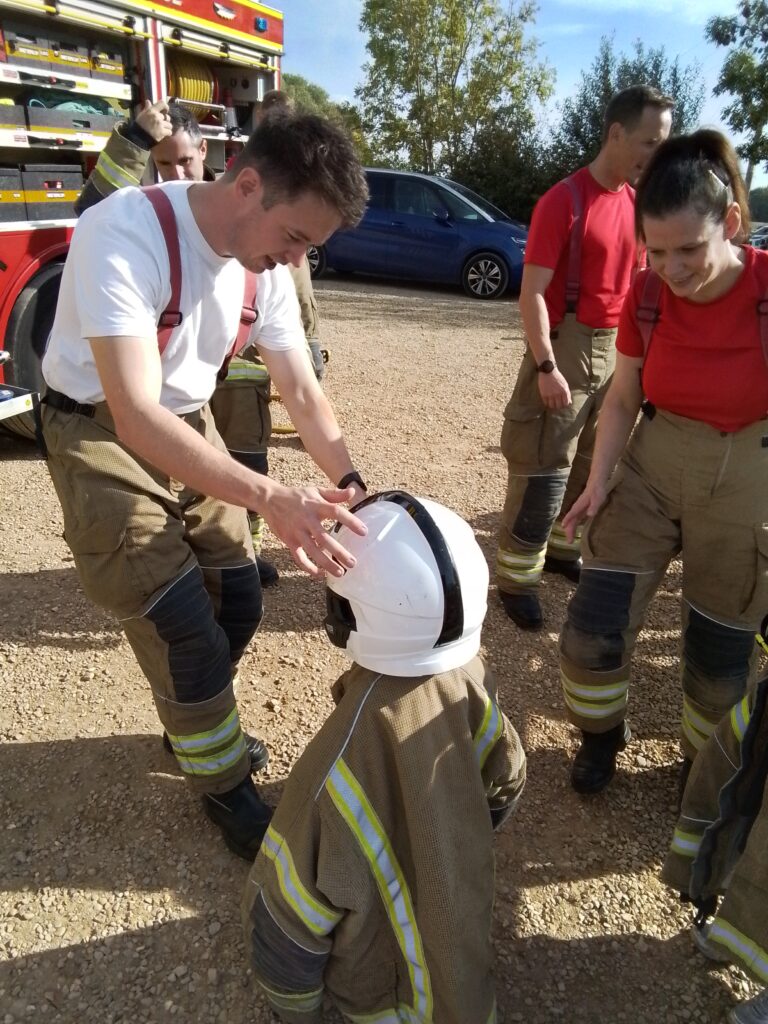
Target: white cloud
563,28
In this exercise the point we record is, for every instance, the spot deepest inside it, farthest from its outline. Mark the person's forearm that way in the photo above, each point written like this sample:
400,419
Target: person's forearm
172,446
533,310
614,427
313,416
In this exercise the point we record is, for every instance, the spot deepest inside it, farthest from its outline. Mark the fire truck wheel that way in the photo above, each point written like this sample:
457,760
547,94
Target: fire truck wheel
29,328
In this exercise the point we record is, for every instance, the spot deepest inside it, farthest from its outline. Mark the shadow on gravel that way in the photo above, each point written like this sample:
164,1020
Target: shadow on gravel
48,608
17,449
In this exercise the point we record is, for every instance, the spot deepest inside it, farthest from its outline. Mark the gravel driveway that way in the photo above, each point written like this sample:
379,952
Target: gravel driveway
120,901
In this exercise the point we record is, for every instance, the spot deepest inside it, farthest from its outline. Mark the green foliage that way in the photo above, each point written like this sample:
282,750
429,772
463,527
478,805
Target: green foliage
758,204
441,74
315,100
744,75
577,138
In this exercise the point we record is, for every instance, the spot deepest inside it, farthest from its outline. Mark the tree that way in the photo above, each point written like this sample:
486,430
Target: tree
313,99
578,136
441,72
758,204
744,75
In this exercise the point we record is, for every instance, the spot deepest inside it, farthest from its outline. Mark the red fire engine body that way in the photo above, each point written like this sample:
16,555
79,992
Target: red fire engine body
69,70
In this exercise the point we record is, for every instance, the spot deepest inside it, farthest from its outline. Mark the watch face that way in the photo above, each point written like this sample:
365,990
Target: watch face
546,367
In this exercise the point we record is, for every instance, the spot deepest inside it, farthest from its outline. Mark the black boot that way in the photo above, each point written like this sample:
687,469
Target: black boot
568,567
257,751
523,609
595,763
268,574
242,816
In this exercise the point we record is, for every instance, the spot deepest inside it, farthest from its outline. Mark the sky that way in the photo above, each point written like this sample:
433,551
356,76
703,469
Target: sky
324,44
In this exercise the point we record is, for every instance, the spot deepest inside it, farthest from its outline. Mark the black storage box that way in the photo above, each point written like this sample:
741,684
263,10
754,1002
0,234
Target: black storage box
107,63
26,46
67,123
12,205
50,190
69,57
12,117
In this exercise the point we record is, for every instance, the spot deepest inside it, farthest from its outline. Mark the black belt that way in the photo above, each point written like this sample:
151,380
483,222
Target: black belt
58,401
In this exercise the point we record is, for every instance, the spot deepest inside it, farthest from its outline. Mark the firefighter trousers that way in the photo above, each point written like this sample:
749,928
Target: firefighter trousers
681,488
549,453
177,569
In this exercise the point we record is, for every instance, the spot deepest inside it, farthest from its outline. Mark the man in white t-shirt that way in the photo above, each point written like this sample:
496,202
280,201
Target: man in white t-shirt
153,503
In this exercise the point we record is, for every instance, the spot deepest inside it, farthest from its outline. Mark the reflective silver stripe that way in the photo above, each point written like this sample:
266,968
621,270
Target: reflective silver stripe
319,919
204,740
297,1002
489,731
741,946
356,810
686,843
114,173
740,715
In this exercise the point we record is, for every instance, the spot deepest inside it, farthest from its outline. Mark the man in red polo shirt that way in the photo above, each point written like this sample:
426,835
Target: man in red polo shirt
580,258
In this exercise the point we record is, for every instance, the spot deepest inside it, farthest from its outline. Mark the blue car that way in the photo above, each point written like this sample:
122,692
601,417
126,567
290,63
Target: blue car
424,228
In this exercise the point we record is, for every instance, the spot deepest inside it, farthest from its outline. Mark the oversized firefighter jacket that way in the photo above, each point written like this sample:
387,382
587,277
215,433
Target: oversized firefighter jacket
720,843
375,880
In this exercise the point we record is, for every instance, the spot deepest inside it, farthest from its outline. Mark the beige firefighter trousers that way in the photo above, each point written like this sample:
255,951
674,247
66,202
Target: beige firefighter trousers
176,568
681,488
549,453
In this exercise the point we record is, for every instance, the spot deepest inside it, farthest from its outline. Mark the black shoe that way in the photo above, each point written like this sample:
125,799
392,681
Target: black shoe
268,574
258,752
568,567
595,763
523,609
242,816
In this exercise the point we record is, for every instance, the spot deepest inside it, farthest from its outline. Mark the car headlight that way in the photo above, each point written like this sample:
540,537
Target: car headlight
519,242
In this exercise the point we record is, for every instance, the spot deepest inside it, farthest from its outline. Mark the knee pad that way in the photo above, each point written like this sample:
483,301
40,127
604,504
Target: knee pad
598,616
242,608
716,650
541,502
198,653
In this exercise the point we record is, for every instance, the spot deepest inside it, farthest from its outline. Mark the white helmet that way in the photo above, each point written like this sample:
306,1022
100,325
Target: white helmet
415,601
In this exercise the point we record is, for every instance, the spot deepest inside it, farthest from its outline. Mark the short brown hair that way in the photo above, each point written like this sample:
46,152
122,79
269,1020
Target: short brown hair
626,107
298,153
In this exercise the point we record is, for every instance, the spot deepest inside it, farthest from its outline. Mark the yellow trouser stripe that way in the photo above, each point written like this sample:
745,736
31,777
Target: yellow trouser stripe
520,567
686,843
740,714
489,731
596,701
315,916
112,172
753,956
357,811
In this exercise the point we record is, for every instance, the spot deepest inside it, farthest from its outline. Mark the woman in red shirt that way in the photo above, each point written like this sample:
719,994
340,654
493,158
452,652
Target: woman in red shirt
692,476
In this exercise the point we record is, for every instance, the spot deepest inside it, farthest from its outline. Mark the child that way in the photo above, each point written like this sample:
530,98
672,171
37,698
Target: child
375,879
719,847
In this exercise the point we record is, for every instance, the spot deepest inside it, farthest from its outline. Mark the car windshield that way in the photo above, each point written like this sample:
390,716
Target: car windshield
493,211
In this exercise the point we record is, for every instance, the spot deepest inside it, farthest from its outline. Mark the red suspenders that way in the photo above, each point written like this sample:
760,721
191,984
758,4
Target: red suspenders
171,317
573,277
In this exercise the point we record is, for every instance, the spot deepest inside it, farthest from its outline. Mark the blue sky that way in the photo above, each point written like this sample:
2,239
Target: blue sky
324,44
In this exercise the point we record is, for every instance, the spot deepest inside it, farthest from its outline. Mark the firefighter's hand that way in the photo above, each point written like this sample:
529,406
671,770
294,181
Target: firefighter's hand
297,515
586,506
554,390
154,119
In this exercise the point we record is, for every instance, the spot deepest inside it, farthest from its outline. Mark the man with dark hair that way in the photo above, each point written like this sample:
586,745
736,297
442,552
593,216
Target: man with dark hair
152,501
580,257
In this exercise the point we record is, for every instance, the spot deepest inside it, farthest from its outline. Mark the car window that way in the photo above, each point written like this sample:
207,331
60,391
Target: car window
417,197
457,208
377,191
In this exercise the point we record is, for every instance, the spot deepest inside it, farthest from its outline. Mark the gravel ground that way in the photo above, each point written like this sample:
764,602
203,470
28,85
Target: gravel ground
120,900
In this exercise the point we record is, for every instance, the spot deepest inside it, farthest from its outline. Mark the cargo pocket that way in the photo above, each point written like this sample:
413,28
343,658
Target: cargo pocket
521,437
107,570
756,595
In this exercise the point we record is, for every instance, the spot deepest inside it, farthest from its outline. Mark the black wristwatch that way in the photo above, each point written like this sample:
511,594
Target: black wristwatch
546,367
352,477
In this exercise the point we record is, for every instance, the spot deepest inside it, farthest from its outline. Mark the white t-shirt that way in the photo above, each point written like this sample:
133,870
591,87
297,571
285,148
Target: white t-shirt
116,283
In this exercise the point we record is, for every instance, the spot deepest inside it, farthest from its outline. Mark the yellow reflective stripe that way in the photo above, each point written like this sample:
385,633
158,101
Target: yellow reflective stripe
113,172
213,764
559,540
686,843
213,751
402,1015
753,956
242,369
298,1002
355,808
697,721
740,715
594,693
319,919
694,737
489,731
596,701
199,741
492,1014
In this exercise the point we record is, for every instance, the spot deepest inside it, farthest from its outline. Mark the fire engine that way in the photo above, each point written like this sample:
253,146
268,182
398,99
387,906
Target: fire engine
69,71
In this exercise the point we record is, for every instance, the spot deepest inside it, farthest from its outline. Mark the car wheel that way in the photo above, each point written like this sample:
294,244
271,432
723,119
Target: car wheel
316,260
485,276
29,329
